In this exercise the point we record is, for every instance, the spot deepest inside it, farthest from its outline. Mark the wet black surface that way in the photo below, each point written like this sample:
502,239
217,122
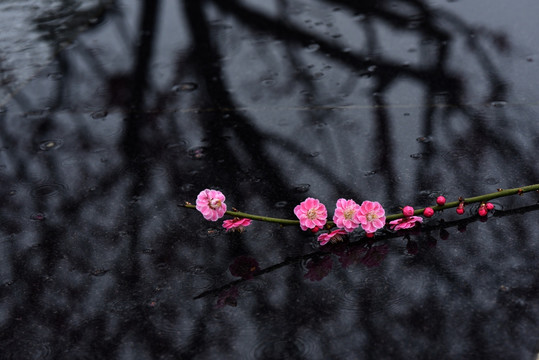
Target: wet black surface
119,112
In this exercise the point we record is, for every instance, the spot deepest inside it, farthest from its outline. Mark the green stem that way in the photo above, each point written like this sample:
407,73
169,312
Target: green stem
240,214
470,200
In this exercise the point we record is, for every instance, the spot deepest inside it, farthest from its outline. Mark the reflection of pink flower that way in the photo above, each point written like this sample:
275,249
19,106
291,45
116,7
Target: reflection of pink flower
319,268
211,203
351,256
333,236
345,215
311,213
405,223
244,267
371,215
375,255
228,297
236,224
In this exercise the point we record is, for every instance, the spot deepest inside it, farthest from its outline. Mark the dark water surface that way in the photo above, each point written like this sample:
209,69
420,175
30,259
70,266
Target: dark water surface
113,112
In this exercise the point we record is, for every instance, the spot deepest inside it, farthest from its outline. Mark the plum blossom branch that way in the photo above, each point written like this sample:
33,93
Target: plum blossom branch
312,214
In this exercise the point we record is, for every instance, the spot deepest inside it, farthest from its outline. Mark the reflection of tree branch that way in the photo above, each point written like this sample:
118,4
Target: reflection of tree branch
386,69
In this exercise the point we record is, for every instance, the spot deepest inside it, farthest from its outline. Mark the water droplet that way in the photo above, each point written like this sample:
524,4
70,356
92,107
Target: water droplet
369,173
456,154
208,232
55,76
314,154
46,190
37,217
268,82
197,153
185,87
187,187
162,266
281,204
423,139
12,192
98,272
99,114
498,104
491,181
50,144
302,188
417,156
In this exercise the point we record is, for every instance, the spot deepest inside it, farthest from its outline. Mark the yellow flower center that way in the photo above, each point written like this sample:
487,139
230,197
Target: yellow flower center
371,216
349,214
311,214
215,203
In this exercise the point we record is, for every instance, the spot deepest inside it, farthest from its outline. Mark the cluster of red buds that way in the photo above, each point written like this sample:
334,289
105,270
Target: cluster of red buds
429,212
484,208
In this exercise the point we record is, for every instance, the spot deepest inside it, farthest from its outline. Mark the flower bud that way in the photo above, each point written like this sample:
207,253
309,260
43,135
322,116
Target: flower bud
482,211
440,200
408,211
428,212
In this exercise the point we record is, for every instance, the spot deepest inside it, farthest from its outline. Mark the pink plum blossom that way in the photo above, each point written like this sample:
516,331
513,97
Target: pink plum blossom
236,224
345,215
405,223
334,236
311,213
211,203
371,215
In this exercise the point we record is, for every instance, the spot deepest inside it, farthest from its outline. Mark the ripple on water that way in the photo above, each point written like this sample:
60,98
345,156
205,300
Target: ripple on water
198,279
296,347
197,153
254,285
51,144
185,87
25,349
100,114
47,190
301,188
456,154
374,295
176,150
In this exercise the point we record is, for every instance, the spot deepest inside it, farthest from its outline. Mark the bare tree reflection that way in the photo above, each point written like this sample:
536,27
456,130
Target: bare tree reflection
270,102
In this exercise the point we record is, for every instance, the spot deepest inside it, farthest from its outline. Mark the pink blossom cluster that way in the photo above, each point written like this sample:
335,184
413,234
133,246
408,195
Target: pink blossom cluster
349,215
312,215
